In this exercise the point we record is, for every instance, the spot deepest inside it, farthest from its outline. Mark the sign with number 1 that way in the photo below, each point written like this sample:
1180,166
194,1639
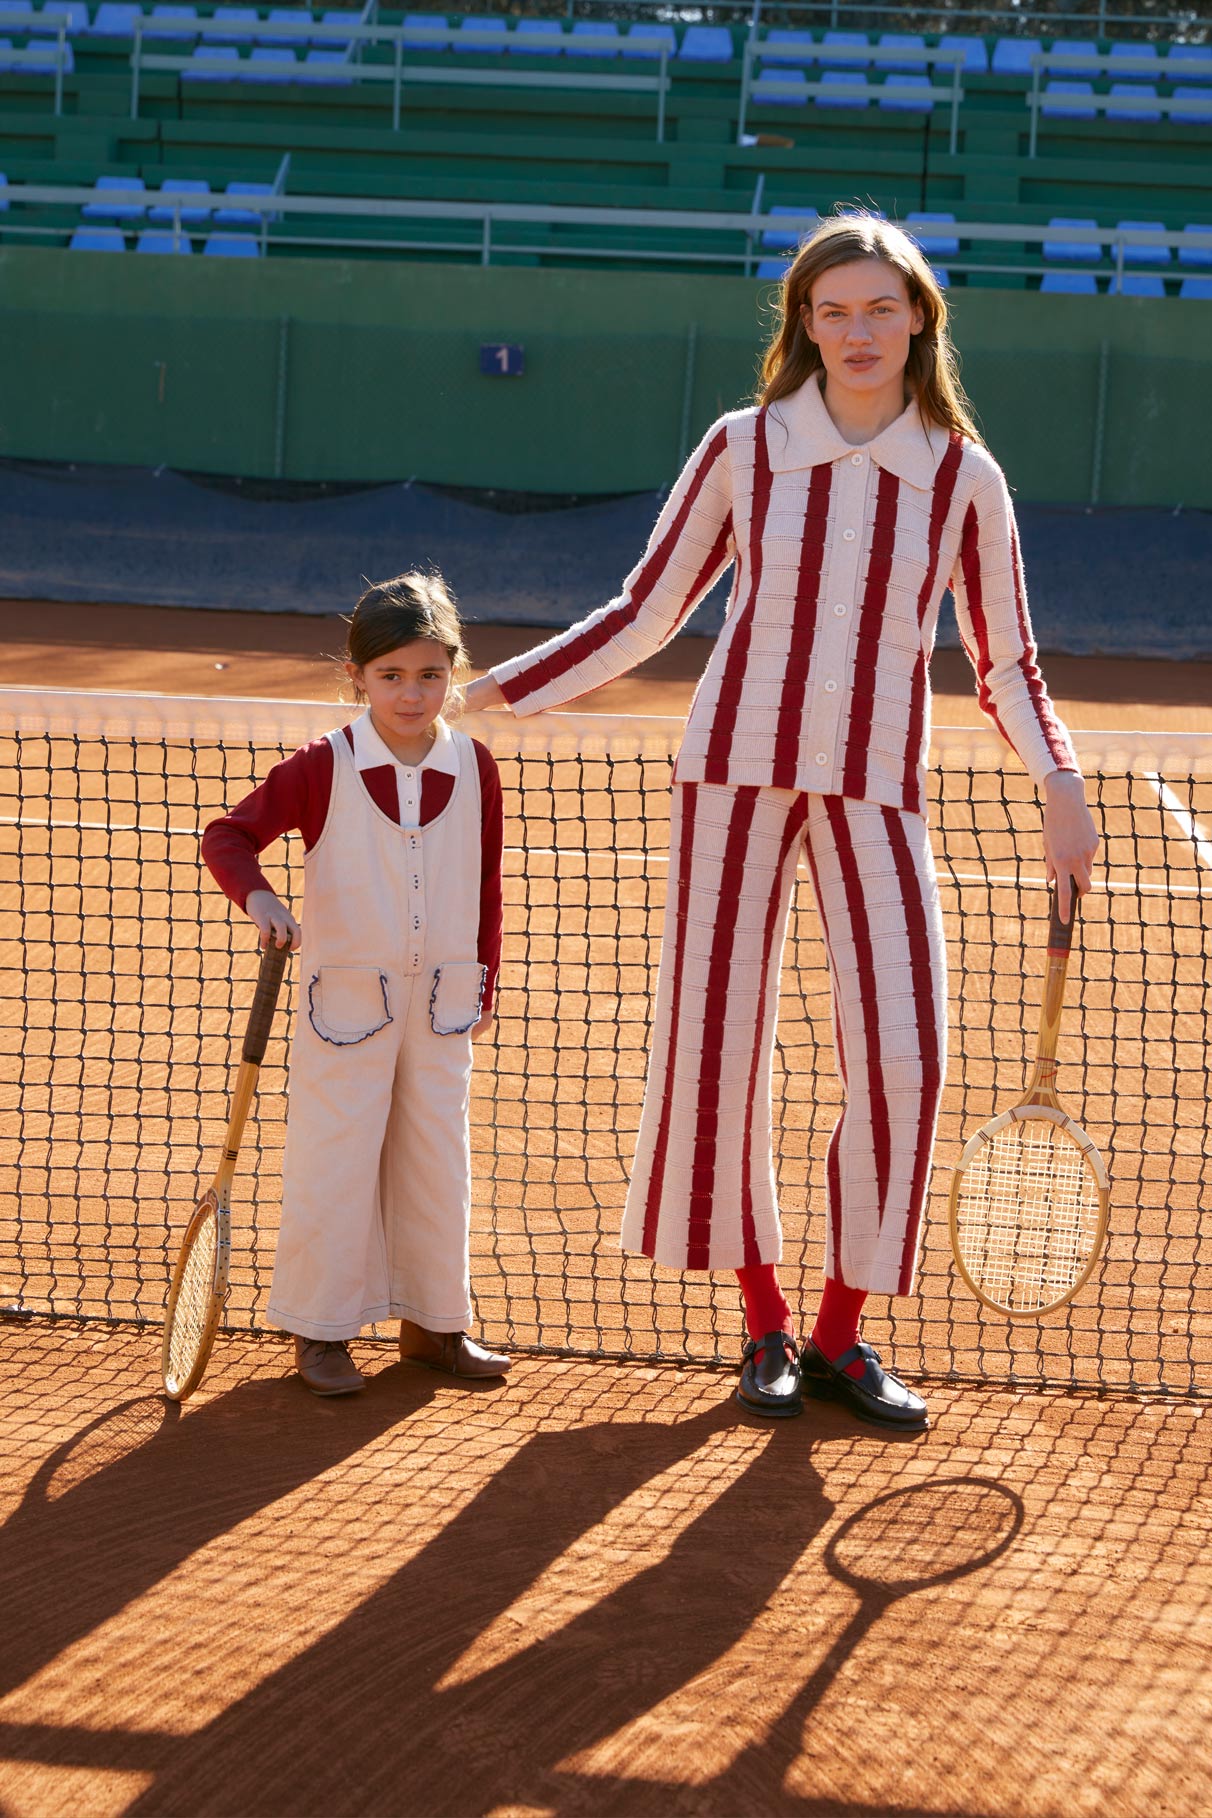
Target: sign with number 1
501,360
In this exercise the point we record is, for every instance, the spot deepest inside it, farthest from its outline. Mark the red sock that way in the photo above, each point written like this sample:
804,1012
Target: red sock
837,1322
766,1308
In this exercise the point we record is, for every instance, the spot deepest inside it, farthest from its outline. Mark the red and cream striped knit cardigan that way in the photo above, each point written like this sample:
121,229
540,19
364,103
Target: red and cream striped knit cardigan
819,680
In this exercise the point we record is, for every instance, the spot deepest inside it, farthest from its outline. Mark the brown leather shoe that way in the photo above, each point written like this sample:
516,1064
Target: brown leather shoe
453,1352
326,1366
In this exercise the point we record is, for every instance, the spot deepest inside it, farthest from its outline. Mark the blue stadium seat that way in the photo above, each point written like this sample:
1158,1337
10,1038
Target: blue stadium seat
1069,101
706,44
935,246
115,19
647,41
771,90
1141,284
1196,287
231,246
6,45
593,38
15,11
43,56
151,242
481,26
192,216
775,241
173,25
287,15
976,55
903,41
227,53
839,78
1145,255
942,277
74,13
1195,255
774,269
232,15
114,211
3,193
1137,51
1076,250
1076,47
330,44
325,69
535,28
858,42
1070,283
901,94
267,64
1187,116
1192,53
427,22
791,49
1142,92
96,239
1012,56
229,216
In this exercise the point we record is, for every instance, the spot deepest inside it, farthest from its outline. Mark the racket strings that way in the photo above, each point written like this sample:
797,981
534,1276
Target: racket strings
1028,1215
195,1296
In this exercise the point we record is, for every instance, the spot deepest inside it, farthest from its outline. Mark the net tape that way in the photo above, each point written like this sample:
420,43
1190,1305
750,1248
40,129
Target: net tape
127,979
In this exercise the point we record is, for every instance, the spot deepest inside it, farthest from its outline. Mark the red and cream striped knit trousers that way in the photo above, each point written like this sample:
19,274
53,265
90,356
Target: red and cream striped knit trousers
702,1192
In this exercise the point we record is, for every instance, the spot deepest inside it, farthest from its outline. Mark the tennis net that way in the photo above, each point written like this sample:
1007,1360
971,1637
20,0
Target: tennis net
126,981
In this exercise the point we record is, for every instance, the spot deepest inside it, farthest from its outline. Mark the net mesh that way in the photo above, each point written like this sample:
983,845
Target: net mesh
1027,1214
127,980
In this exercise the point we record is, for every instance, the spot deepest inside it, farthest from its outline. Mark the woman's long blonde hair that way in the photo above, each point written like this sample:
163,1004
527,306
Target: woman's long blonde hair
932,369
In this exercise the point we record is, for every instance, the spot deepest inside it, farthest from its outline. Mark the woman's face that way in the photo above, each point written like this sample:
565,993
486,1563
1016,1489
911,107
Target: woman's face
407,688
861,318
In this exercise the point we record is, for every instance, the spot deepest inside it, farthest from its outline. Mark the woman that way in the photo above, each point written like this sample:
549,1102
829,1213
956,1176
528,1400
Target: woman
849,498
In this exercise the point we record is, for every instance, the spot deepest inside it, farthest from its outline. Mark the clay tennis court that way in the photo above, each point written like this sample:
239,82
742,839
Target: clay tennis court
596,1589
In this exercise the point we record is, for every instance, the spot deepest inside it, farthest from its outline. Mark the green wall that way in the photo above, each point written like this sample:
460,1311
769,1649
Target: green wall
361,370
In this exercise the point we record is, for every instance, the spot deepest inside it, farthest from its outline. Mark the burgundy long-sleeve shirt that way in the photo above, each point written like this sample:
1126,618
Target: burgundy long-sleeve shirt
294,798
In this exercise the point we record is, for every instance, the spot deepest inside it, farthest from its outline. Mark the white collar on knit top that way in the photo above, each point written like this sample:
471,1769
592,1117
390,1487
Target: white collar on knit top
370,751
801,433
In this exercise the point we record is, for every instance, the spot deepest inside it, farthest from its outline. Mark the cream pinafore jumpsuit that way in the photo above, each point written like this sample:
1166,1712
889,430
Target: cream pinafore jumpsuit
376,1190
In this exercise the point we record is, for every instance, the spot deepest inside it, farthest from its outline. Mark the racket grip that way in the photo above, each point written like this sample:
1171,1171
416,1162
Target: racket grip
261,1016
1060,934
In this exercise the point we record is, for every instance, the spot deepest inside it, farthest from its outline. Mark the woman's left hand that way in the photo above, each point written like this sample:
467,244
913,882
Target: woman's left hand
1070,836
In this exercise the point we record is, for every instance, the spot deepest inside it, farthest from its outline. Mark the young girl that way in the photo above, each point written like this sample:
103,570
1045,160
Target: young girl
848,499
402,823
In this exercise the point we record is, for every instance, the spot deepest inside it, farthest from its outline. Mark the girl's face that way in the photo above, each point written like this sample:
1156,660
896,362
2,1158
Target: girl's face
406,688
861,318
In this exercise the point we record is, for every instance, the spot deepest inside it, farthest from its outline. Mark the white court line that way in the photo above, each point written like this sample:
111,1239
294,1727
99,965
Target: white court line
1187,822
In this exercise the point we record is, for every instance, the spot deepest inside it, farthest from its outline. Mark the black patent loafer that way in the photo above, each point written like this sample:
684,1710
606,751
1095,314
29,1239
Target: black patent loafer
770,1379
875,1395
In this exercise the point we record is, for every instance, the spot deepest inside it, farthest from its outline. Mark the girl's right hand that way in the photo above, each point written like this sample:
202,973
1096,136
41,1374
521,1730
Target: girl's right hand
274,921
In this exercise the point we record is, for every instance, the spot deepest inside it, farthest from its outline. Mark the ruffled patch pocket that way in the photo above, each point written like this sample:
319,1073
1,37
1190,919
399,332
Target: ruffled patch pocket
348,1004
457,995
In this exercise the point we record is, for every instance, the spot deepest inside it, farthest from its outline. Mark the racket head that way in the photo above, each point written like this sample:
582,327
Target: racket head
1028,1211
196,1296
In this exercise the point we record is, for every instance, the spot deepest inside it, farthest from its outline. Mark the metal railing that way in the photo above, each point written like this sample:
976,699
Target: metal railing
756,235
762,51
1071,63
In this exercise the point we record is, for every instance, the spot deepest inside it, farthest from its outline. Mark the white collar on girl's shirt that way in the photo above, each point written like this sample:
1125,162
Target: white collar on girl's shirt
370,751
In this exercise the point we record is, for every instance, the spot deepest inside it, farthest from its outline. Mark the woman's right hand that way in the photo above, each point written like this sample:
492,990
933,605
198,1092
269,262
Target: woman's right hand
483,692
275,923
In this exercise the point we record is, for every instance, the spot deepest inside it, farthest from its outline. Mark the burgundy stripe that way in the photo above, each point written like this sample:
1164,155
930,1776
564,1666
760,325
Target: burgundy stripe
1045,719
549,669
833,1173
921,968
711,1040
803,629
970,567
723,723
656,1180
881,1131
940,505
867,643
792,834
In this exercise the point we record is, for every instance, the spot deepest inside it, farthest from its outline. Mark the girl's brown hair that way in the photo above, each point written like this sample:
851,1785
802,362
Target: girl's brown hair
932,369
413,605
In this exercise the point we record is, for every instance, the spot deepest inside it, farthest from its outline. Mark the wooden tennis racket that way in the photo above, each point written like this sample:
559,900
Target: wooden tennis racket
1029,1197
199,1284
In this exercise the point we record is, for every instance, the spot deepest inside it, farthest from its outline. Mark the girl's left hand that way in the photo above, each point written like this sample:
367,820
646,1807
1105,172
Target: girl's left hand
482,1027
1070,836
